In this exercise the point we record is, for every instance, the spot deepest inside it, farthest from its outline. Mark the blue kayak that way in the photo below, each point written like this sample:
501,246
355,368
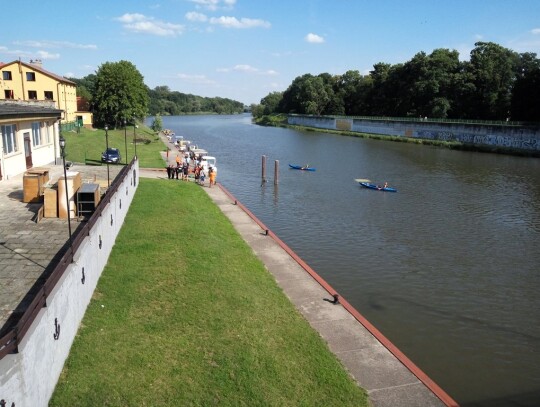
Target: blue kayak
300,167
377,187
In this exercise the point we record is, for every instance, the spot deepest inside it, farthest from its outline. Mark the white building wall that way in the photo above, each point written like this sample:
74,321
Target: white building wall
15,163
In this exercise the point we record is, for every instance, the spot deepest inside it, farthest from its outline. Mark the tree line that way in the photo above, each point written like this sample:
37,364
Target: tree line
166,102
117,93
495,84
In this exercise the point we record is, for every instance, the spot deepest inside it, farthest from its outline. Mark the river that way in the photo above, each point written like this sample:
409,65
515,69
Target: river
447,268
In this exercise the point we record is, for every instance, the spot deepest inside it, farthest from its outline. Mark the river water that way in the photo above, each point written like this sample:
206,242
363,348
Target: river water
448,268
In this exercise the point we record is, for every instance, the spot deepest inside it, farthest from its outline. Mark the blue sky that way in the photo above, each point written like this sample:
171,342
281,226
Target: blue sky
245,49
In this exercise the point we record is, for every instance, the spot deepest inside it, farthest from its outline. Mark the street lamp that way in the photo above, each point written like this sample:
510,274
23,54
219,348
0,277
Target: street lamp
134,139
62,141
125,137
106,156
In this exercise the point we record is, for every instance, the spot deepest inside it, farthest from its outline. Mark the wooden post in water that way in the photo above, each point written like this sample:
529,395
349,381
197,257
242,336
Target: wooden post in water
276,172
263,169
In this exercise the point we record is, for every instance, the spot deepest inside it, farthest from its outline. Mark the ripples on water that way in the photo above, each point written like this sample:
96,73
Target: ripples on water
447,268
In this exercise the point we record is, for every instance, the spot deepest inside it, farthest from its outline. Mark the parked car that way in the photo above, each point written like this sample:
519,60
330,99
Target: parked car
111,155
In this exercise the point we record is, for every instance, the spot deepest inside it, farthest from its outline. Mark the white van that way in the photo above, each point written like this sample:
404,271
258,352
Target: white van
207,162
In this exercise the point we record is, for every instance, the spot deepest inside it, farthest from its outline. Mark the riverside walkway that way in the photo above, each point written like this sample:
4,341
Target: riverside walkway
29,248
389,380
388,376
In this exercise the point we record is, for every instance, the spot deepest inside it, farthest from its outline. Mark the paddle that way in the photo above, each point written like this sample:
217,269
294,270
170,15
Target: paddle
362,180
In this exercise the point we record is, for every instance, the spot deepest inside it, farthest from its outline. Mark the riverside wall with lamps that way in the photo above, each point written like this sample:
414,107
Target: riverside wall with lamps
62,142
125,139
106,151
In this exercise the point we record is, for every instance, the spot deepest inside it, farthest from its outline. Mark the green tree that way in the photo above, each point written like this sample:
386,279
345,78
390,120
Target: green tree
120,93
353,89
307,94
157,124
525,103
493,68
270,103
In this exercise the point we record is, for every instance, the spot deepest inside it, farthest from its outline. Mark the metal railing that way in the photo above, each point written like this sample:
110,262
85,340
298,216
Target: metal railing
429,120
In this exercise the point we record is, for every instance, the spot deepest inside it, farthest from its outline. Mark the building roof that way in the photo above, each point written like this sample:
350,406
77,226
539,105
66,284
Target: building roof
18,110
39,69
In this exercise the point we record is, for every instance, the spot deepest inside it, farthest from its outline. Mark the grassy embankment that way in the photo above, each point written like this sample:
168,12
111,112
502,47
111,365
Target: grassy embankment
87,146
185,314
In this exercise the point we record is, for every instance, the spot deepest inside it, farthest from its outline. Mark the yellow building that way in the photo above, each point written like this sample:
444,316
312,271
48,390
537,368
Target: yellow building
29,81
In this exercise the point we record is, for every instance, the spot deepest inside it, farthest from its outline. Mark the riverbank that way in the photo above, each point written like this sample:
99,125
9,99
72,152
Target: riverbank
185,314
281,120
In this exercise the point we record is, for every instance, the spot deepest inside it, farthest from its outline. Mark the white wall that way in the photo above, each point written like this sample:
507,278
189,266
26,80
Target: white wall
15,163
28,378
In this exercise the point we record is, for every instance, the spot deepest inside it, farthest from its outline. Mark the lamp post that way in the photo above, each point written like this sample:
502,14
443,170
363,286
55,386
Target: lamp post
125,137
106,155
62,141
134,138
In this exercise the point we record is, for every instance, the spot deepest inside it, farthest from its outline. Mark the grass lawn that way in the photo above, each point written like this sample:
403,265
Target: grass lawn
186,315
90,143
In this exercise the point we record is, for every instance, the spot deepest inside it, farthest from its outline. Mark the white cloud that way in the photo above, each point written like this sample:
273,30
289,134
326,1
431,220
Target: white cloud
54,44
198,17
201,79
314,38
140,23
233,22
535,31
214,4
47,55
245,68
248,69
29,55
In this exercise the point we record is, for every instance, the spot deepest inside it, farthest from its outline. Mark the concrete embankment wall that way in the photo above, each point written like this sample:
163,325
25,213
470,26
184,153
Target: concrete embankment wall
481,135
28,377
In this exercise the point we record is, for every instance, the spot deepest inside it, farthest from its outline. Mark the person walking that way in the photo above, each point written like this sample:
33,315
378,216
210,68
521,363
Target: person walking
197,173
202,176
211,176
185,171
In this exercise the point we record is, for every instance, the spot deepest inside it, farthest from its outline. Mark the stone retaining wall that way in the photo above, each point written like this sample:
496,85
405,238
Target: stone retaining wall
484,135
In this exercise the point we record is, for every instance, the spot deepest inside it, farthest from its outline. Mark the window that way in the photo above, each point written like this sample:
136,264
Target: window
6,75
9,138
8,94
31,76
48,95
36,134
32,94
46,131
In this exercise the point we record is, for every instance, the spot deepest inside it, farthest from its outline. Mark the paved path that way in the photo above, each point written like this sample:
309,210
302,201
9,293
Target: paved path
387,381
29,249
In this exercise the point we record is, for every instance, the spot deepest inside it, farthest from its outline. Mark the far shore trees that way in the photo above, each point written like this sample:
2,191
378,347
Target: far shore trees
495,84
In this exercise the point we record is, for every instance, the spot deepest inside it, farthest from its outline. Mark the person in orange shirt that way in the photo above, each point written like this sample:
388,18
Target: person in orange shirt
212,176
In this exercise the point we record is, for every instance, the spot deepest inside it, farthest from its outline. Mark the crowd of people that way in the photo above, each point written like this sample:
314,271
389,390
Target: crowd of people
190,164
